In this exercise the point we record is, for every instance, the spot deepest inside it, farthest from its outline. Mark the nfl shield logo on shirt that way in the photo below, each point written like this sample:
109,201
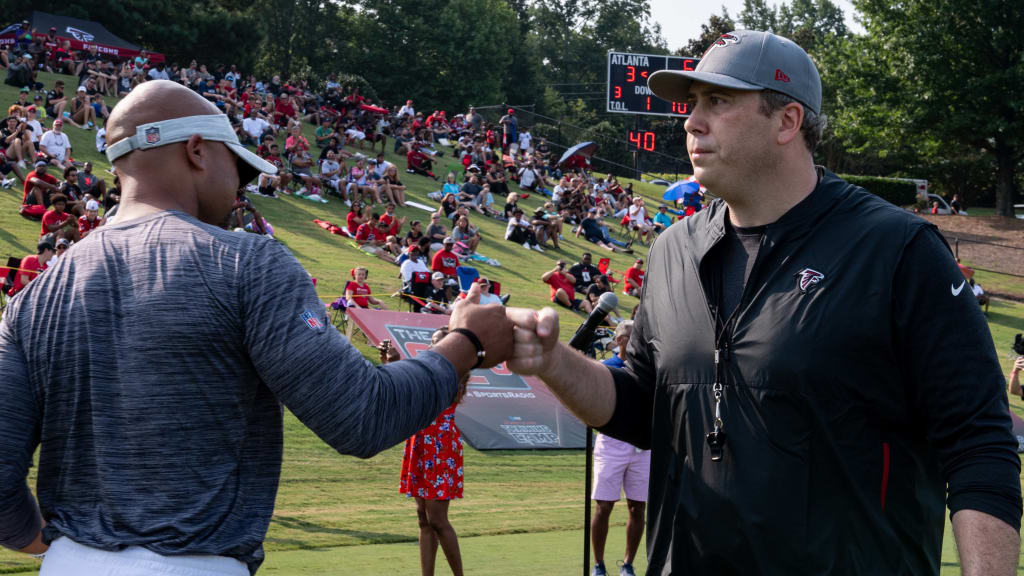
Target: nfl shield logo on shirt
152,135
311,320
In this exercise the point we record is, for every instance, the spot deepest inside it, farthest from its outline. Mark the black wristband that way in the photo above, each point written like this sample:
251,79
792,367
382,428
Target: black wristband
480,352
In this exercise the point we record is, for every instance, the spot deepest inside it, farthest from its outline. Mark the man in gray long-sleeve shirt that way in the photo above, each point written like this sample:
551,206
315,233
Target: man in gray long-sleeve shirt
151,363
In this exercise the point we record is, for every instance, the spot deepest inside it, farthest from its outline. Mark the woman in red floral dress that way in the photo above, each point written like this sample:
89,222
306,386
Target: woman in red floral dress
432,474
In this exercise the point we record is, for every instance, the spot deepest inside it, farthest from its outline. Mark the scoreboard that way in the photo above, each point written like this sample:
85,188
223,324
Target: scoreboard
627,84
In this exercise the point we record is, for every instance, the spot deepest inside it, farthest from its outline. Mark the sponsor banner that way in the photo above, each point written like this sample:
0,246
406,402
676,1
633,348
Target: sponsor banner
502,410
82,34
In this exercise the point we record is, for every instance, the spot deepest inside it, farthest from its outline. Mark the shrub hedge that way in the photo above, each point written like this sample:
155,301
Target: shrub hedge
899,192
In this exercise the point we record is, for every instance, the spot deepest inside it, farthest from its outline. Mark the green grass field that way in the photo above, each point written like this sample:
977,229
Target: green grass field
522,512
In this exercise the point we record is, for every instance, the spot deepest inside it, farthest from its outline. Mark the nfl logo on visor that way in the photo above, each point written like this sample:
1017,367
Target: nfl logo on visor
808,279
152,135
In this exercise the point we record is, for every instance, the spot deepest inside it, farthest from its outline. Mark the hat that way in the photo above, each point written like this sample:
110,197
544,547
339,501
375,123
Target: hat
30,109
473,168
82,89
92,205
639,260
437,276
41,164
662,206
44,245
451,282
27,57
747,60
24,89
53,28
58,122
63,242
414,248
212,127
511,111
448,240
408,101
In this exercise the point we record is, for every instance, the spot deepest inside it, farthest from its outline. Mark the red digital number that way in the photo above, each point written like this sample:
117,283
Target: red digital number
618,91
634,137
648,103
630,73
680,107
689,65
642,140
649,141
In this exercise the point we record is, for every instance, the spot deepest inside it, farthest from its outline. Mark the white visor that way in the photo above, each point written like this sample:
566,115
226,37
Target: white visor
215,127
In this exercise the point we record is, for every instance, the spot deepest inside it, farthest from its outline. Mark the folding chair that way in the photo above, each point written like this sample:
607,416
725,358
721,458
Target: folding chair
415,292
603,266
466,275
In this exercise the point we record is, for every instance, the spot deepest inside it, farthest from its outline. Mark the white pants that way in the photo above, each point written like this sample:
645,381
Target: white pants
68,557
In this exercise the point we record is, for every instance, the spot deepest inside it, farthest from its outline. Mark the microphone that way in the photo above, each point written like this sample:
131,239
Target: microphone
584,335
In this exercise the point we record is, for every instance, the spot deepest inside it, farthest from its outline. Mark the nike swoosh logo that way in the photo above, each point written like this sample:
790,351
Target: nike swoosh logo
956,291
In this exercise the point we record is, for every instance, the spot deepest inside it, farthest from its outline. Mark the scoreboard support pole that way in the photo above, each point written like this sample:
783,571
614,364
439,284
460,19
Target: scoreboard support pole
636,152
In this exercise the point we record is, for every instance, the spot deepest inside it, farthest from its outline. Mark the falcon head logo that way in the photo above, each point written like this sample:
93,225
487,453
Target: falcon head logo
80,35
723,40
807,279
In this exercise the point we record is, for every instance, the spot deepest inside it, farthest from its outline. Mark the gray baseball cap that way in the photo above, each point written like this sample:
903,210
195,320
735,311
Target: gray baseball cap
747,60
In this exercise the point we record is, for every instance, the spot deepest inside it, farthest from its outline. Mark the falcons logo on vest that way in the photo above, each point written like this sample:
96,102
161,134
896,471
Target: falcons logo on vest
807,279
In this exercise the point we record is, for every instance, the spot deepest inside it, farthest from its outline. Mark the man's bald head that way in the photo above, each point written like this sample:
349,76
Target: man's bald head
154,101
196,176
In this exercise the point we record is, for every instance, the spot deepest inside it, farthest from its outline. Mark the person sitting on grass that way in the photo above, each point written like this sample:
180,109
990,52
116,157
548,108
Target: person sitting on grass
358,293
466,233
419,163
268,182
32,265
661,220
562,291
69,188
436,232
592,230
392,186
55,146
393,221
57,223
244,211
302,168
91,220
356,217
330,174
634,279
545,228
371,237
979,294
359,185
83,115
520,231
414,234
90,183
39,188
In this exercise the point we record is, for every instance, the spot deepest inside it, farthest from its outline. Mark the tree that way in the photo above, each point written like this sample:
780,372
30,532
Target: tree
757,15
713,30
961,70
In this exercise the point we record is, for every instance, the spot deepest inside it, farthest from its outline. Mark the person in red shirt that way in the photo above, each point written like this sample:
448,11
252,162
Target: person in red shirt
419,163
56,220
91,220
355,218
445,261
634,278
283,110
357,291
31,266
371,237
563,291
393,222
38,187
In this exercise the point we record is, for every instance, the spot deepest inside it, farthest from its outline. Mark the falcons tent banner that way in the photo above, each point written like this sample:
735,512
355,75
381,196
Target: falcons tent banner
81,33
502,410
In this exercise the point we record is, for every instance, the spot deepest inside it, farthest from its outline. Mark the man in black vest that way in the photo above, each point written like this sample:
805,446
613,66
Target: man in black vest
797,365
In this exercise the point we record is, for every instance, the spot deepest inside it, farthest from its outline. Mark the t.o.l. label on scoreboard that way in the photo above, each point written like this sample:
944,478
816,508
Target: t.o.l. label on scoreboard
627,83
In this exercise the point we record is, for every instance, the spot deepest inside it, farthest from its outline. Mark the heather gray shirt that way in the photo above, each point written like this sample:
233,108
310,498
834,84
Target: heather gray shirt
150,364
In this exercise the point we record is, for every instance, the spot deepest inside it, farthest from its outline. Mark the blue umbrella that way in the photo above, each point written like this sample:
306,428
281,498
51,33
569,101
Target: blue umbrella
583,149
681,189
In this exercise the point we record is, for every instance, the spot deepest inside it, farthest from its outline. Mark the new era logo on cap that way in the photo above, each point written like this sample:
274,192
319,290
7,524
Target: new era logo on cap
780,76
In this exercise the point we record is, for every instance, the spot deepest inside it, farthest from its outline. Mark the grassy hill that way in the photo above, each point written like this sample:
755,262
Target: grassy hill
525,505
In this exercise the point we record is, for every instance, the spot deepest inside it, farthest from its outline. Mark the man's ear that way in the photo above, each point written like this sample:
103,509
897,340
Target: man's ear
790,119
195,152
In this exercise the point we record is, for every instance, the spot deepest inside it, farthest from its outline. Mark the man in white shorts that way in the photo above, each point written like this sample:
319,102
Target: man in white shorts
618,467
